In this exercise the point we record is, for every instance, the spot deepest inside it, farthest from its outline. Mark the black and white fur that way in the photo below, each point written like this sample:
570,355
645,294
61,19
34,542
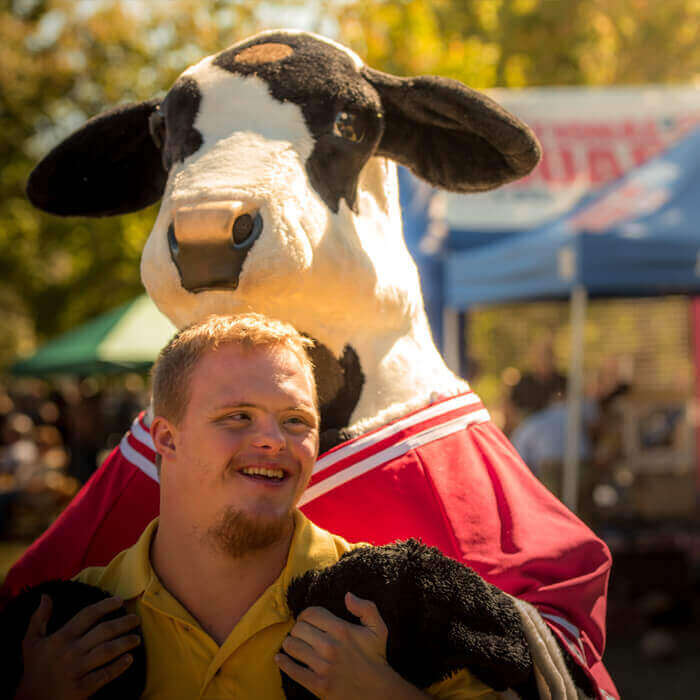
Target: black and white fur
331,257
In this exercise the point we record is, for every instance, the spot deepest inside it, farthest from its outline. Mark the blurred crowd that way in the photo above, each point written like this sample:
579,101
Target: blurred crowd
654,597
536,416
52,438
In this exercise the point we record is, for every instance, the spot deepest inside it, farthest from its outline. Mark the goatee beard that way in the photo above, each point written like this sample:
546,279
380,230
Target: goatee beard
237,534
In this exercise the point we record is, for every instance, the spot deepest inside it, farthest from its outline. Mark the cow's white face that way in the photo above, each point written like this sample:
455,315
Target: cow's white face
252,154
274,160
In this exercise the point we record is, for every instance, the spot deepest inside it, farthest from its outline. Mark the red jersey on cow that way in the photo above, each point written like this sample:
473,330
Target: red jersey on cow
392,483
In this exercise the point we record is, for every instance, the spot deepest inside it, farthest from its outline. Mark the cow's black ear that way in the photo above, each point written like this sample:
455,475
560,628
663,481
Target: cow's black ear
450,135
111,165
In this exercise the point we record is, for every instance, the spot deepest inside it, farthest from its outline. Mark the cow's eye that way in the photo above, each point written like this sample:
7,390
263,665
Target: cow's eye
348,126
156,125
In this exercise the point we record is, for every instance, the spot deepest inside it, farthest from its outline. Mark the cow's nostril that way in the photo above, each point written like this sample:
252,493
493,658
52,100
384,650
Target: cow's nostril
246,228
172,241
209,243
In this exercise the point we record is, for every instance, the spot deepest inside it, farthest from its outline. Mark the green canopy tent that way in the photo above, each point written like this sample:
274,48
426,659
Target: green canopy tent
127,338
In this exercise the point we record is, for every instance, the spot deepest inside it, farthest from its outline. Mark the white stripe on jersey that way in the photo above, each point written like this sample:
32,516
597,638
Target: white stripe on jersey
427,413
137,459
143,436
356,469
576,647
571,629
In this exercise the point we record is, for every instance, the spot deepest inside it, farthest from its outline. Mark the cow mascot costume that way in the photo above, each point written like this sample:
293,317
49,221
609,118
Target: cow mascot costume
275,163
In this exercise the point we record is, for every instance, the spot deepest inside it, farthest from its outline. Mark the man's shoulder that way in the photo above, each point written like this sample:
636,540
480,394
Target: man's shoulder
105,577
93,575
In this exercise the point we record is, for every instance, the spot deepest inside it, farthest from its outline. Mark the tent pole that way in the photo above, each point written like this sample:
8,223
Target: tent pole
574,399
451,341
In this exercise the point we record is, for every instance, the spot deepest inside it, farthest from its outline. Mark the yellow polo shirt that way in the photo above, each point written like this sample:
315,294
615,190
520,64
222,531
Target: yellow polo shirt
185,663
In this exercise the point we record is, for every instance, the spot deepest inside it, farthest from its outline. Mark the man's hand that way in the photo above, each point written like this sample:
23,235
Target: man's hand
345,661
74,662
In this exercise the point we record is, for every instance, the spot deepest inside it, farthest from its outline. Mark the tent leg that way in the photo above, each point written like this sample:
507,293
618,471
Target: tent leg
574,400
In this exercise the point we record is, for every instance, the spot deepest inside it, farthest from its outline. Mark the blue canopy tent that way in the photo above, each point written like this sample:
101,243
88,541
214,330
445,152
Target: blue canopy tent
639,236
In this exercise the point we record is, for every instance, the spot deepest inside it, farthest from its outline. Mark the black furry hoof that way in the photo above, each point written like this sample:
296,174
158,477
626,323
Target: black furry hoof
442,616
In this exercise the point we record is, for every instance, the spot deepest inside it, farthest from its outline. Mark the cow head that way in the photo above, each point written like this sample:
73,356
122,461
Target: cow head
273,160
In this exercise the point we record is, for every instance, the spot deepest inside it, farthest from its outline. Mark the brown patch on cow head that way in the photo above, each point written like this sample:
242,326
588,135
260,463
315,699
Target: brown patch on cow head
264,53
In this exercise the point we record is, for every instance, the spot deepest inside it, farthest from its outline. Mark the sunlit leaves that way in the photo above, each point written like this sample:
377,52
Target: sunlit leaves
65,60
512,43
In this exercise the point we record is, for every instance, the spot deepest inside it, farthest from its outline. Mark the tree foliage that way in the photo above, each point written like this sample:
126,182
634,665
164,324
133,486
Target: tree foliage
518,43
514,43
63,61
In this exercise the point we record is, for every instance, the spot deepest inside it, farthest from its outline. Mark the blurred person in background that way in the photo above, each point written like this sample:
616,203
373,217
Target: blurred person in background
537,387
540,439
86,434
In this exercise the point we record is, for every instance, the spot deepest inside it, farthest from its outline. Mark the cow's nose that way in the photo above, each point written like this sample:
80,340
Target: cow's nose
209,242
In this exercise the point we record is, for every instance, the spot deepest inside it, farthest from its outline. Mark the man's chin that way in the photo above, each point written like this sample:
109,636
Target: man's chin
238,533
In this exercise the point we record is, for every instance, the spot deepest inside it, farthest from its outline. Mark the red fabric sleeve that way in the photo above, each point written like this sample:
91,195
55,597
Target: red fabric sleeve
106,516
470,494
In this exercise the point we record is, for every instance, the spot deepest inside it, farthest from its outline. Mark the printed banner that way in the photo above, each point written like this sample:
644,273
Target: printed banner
589,137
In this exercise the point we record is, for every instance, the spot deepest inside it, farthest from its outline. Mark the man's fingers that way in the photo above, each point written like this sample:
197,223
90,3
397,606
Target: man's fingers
301,675
105,631
323,619
106,652
301,651
87,618
39,620
368,613
313,636
92,682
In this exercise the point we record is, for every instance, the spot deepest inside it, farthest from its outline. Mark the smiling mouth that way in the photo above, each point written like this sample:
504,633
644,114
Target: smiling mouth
263,474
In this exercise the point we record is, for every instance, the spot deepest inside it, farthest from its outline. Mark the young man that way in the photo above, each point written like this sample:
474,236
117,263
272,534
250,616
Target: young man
236,427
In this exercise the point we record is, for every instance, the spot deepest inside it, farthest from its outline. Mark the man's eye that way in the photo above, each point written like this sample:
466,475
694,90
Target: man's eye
298,422
238,417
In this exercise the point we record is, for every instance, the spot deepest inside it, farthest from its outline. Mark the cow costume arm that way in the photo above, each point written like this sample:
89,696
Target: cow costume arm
469,493
442,619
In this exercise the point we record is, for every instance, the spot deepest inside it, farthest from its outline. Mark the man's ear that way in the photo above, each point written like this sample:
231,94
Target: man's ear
163,433
450,135
111,165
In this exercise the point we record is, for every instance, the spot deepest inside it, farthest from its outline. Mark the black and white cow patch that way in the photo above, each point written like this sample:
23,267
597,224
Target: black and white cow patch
273,160
342,111
345,106
172,125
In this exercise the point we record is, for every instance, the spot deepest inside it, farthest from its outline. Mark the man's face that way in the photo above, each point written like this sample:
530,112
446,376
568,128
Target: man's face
245,447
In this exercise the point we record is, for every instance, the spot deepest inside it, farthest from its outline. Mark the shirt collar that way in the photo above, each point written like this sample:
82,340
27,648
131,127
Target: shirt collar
132,568
311,548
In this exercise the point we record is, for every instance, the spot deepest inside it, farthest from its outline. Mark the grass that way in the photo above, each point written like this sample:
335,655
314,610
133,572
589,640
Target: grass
10,552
